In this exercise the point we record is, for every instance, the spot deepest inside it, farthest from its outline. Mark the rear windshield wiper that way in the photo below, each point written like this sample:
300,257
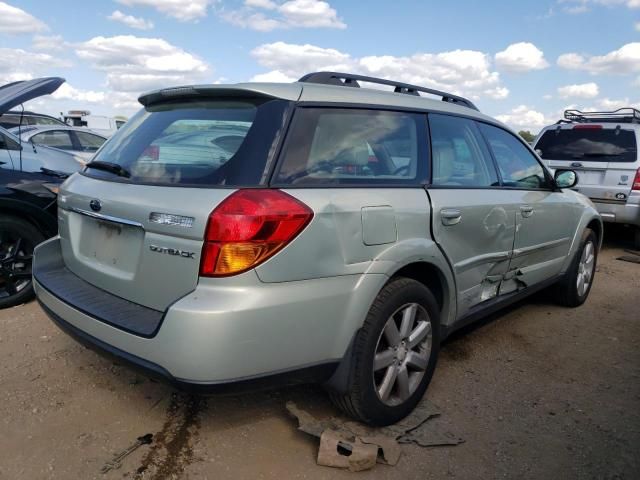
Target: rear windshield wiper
109,167
53,173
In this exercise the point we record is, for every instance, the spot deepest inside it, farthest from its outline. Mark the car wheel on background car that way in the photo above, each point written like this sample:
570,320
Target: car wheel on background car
574,288
18,238
636,238
394,354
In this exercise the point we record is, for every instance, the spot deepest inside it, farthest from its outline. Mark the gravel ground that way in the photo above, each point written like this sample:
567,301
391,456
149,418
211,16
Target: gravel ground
536,391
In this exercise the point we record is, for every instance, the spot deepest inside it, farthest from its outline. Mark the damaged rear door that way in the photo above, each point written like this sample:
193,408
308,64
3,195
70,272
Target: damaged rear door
473,219
546,218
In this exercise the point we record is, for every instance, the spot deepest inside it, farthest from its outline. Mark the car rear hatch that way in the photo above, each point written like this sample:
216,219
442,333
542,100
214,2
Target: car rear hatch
133,223
15,93
604,155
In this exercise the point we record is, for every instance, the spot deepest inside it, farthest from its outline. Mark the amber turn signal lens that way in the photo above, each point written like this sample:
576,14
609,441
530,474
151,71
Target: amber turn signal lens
249,227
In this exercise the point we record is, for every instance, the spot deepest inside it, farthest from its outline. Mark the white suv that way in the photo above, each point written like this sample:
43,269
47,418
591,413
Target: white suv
602,148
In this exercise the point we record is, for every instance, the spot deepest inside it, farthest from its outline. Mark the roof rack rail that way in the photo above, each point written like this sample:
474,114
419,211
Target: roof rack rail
351,80
621,115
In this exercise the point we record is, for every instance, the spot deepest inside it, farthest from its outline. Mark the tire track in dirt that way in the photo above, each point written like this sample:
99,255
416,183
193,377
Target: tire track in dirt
171,451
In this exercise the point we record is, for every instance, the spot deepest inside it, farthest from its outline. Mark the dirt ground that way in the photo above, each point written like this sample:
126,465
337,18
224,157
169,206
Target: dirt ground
537,391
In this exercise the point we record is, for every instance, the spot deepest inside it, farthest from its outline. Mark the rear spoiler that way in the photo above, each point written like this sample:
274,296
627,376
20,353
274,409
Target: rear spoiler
240,90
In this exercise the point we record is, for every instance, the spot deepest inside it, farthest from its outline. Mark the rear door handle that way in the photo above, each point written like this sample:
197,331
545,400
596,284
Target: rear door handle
526,210
450,216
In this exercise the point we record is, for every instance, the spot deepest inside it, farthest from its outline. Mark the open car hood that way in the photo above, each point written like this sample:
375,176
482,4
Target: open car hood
15,93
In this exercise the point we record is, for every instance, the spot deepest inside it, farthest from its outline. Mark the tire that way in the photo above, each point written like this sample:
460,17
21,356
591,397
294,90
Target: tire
401,298
569,293
636,238
15,265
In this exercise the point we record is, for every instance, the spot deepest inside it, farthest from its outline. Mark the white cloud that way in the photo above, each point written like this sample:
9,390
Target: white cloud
583,90
521,57
48,42
266,15
182,10
523,117
582,6
67,92
131,21
268,4
614,104
273,76
18,64
14,20
637,26
136,64
622,61
465,72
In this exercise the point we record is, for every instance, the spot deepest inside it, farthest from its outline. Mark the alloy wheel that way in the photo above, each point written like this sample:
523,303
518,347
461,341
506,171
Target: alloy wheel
15,264
402,354
586,268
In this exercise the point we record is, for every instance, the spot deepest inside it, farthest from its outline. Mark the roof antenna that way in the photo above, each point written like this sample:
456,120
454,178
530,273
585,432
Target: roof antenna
20,133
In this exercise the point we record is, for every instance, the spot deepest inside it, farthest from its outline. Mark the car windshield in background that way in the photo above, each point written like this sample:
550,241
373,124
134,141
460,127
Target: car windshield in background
215,142
592,144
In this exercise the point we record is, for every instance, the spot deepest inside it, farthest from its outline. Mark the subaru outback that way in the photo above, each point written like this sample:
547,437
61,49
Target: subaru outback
332,233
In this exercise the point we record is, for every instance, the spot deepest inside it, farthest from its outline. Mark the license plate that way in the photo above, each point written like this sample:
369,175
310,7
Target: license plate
107,245
590,177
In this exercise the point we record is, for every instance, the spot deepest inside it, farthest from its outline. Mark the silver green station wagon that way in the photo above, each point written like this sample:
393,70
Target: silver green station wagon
237,236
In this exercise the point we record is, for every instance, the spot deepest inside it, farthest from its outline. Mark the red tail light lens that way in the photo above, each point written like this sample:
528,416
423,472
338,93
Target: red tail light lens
636,181
587,127
248,227
152,152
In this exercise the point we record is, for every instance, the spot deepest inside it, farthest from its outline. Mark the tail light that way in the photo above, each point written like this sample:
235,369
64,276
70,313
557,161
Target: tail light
636,181
587,127
152,152
249,227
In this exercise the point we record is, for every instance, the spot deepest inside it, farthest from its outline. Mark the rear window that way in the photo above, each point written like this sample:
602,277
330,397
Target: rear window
352,146
592,144
214,142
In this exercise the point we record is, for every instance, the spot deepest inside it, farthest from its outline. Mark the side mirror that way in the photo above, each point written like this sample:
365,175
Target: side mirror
566,178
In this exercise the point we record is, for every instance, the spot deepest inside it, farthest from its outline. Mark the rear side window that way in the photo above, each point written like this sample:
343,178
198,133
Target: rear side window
89,142
459,156
54,138
212,142
518,166
344,146
588,142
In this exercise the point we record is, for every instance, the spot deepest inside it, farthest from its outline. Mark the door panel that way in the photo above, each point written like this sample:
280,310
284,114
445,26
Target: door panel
472,223
545,225
475,229
545,219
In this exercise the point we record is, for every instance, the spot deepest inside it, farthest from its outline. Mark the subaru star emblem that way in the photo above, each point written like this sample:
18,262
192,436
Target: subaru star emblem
95,205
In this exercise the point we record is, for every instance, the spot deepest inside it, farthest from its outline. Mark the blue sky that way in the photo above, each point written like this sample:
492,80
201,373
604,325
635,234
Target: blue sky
522,61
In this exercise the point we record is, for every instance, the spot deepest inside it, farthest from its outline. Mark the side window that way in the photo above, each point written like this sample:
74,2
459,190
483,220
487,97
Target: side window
45,121
518,166
54,138
331,145
89,142
459,156
7,143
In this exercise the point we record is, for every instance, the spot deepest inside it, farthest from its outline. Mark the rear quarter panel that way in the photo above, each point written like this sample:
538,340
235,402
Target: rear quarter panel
342,240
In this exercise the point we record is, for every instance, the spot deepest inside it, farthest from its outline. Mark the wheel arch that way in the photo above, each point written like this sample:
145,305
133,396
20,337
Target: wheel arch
42,220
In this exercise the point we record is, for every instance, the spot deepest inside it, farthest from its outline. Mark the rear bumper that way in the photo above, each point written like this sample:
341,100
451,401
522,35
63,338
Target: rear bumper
628,213
227,332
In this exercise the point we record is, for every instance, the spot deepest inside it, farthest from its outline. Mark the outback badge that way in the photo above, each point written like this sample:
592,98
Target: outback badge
172,251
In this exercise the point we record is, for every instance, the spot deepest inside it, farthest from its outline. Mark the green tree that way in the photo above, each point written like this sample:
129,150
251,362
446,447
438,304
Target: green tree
527,135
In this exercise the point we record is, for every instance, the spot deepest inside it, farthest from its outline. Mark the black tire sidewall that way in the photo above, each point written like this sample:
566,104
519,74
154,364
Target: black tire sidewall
30,233
575,297
411,292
